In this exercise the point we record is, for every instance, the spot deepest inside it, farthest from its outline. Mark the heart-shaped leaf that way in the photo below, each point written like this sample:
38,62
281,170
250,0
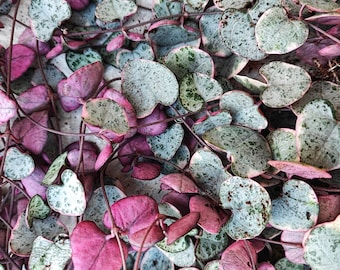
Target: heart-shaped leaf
321,240
36,209
166,144
284,264
77,60
287,83
33,183
224,4
22,237
255,86
243,110
238,33
248,150
211,121
8,108
96,207
110,10
187,59
250,204
277,34
141,81
142,51
146,170
81,84
69,198
153,255
50,254
22,58
17,164
93,250
317,134
53,170
297,209
46,16
196,89
208,171
321,5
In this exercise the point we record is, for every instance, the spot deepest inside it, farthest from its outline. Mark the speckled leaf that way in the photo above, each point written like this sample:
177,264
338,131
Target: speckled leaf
154,256
299,169
318,139
36,209
77,60
184,60
47,254
248,151
166,144
17,164
234,65
285,264
321,246
243,110
212,265
184,258
179,245
110,10
277,34
250,204
163,8
211,39
106,114
208,171
22,237
321,5
69,198
210,245
179,160
195,5
54,169
141,81
142,51
320,89
283,144
211,121
261,6
255,86
297,209
46,16
196,89
96,207
225,4
238,33
287,83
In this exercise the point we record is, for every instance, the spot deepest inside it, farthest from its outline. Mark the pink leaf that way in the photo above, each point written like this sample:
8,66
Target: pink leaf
299,169
115,43
239,256
211,219
55,51
27,38
330,51
178,200
146,170
92,250
78,4
80,85
265,266
22,58
89,155
145,126
329,207
135,36
180,183
8,108
182,226
34,99
154,235
293,253
32,183
132,214
103,156
32,136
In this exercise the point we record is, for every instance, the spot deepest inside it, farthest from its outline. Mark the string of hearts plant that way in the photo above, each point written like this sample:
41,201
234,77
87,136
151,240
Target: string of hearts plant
169,134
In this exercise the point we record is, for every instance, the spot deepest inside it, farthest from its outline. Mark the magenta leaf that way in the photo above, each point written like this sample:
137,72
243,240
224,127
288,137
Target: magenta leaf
78,4
293,253
32,136
34,99
88,156
182,226
329,207
240,255
299,169
80,85
8,108
146,170
180,183
153,124
211,219
103,156
32,183
27,38
116,43
132,214
178,200
93,250
330,51
22,58
154,235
